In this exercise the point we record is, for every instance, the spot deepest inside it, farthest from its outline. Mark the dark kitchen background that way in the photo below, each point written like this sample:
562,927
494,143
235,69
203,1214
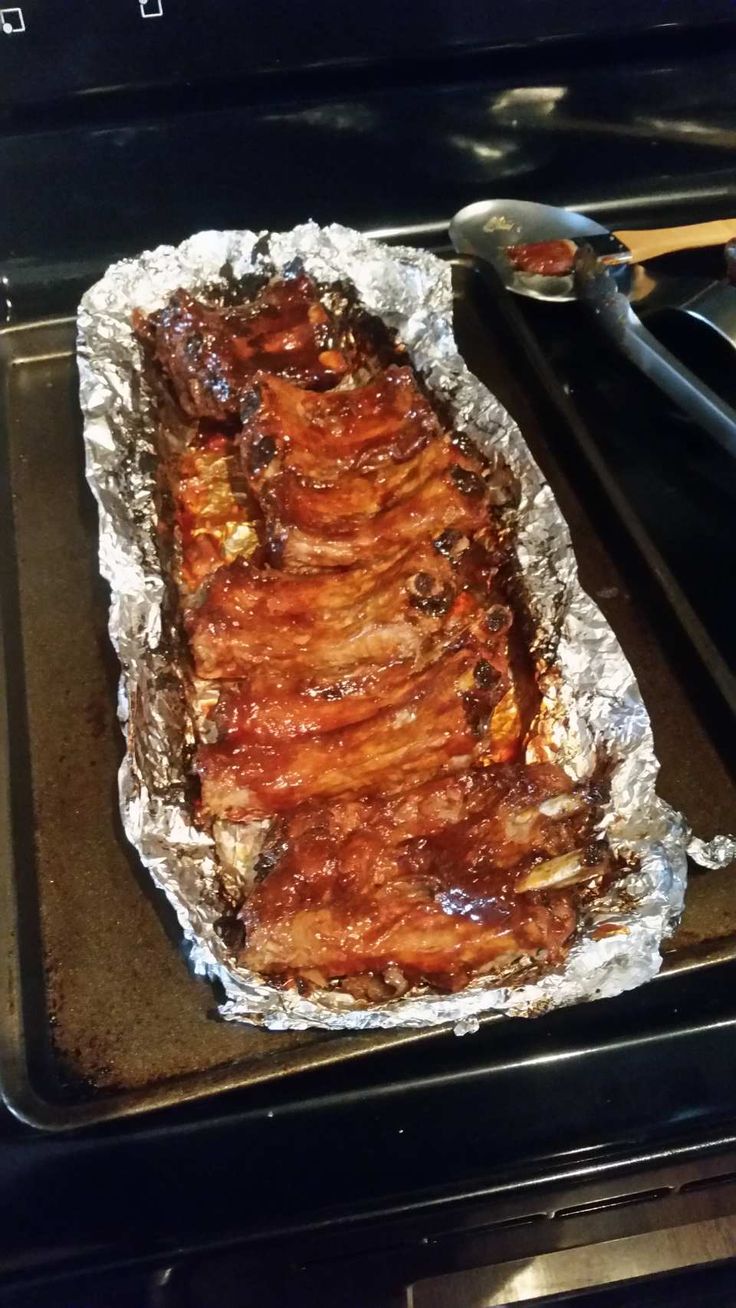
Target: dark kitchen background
125,123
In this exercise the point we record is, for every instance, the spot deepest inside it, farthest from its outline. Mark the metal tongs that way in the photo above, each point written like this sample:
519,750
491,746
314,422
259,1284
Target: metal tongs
487,228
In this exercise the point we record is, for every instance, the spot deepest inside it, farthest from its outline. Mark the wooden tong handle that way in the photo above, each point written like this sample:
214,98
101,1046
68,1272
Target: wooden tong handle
666,240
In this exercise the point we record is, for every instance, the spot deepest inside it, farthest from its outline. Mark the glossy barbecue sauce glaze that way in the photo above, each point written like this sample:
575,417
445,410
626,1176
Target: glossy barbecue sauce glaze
543,258
370,683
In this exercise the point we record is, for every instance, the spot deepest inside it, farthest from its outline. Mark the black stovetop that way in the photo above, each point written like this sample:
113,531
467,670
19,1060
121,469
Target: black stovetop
645,132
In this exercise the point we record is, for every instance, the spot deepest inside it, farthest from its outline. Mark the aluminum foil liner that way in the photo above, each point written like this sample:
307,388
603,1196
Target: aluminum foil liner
591,702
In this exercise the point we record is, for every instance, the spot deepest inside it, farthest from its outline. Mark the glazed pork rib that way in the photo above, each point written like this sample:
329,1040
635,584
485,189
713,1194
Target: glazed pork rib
267,705
341,476
341,507
431,886
445,724
455,500
207,354
287,698
333,624
534,807
319,438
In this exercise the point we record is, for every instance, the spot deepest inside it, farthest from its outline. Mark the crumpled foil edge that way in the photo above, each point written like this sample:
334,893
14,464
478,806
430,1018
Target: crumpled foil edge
591,700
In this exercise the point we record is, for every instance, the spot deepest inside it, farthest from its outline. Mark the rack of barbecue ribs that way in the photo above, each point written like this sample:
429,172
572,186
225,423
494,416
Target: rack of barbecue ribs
344,571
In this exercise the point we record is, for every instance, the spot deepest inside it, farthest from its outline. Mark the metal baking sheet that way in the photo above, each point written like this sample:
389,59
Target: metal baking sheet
99,1014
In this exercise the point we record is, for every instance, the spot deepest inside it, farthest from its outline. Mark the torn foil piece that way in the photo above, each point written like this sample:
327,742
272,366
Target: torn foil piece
716,853
591,701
